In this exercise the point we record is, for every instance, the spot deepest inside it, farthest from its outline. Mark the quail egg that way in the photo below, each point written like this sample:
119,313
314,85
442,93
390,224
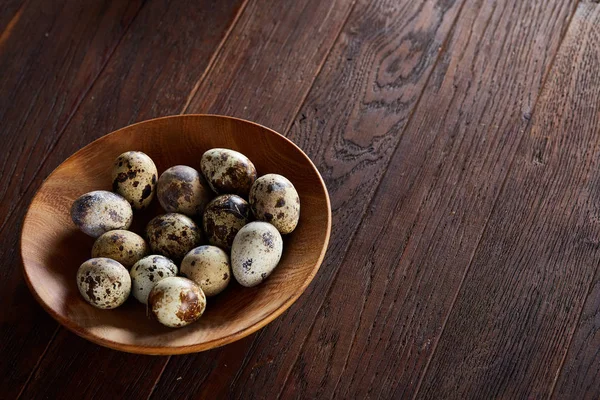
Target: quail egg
275,200
223,218
123,246
182,189
209,267
228,172
104,283
176,301
255,253
134,177
173,235
147,272
101,211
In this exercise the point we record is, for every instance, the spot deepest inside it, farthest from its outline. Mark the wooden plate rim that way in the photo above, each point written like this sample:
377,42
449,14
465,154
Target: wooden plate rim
168,350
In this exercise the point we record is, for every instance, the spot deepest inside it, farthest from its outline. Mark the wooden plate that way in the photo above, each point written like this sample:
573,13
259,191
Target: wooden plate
53,249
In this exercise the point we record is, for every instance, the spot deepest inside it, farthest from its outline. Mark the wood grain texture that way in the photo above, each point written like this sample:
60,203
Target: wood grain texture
379,323
161,61
514,317
34,106
271,61
444,227
74,41
580,374
105,373
352,77
334,18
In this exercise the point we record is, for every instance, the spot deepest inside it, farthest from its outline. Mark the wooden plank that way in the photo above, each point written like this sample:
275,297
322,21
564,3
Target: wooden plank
271,61
579,377
37,37
167,48
580,374
353,100
84,371
515,314
383,315
302,16
274,67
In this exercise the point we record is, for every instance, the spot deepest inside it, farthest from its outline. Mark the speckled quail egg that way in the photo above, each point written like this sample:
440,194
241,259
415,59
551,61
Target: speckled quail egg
173,235
182,189
275,200
123,246
147,272
176,301
224,216
228,172
255,253
209,267
101,211
104,283
134,177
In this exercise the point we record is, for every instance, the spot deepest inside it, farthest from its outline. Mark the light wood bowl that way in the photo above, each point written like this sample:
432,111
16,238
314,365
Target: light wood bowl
52,247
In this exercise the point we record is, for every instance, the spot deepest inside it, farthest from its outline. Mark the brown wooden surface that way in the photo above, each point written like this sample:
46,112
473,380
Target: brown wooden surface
458,140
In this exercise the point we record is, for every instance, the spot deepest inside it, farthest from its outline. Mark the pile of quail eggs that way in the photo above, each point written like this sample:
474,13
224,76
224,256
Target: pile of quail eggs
173,269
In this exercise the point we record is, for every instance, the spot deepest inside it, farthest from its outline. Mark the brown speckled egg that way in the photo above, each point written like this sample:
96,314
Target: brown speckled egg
176,302
101,211
228,172
147,272
173,235
223,218
134,177
255,253
123,246
209,267
104,283
275,200
182,189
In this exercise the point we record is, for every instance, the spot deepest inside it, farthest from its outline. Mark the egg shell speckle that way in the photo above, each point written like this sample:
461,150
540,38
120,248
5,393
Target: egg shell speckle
255,253
224,216
104,283
209,267
173,235
228,171
181,189
101,211
176,302
147,272
274,199
123,246
134,177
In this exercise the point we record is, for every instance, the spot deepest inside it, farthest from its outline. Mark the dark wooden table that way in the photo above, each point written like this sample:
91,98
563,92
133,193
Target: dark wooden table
460,142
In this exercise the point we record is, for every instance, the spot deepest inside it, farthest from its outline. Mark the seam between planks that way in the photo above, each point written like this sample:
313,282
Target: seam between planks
157,380
213,58
67,122
495,203
376,190
319,68
441,51
207,70
571,335
285,130
37,364
589,289
70,117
